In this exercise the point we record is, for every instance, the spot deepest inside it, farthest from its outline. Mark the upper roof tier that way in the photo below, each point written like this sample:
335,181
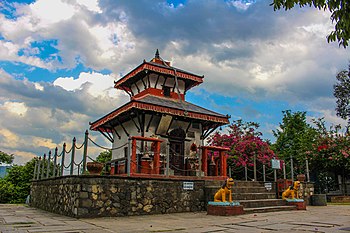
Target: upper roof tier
157,66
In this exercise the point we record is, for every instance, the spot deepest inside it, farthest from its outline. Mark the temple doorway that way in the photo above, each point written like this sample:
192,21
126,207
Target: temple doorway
177,151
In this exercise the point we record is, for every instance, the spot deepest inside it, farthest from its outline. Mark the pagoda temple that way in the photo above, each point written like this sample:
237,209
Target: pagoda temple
158,132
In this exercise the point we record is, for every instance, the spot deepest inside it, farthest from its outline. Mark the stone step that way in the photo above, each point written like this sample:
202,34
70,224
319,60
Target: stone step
268,209
262,203
249,183
253,196
247,189
238,183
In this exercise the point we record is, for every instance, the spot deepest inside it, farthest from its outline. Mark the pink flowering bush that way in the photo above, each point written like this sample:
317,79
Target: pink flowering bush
331,149
244,140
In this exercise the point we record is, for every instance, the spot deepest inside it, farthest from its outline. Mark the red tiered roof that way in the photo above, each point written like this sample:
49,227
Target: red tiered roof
162,105
158,66
152,99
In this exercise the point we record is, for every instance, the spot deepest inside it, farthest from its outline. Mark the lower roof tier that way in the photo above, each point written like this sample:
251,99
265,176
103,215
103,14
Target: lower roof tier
155,104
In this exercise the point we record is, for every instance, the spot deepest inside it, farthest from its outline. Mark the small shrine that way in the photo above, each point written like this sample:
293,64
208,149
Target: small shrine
158,132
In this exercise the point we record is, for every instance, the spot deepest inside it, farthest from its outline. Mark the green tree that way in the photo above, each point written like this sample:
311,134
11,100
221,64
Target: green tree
15,186
104,156
342,93
340,14
294,139
6,158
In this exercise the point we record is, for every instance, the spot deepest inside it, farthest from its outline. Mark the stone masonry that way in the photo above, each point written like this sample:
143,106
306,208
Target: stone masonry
97,196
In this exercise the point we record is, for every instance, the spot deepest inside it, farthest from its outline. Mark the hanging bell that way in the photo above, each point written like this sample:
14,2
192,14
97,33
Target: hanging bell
212,162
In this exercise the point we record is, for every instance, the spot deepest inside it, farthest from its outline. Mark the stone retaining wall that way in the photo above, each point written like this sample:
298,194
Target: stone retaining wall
94,196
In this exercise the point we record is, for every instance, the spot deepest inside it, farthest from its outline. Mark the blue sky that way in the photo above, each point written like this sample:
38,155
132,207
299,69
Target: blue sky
58,61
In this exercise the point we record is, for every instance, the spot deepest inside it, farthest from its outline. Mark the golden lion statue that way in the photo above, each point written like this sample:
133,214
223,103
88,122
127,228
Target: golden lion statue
292,191
220,196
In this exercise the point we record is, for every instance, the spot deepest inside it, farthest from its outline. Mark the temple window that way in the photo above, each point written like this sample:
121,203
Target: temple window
195,125
166,91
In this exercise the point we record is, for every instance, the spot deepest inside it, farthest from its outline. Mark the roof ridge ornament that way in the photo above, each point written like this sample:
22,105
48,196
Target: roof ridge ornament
157,54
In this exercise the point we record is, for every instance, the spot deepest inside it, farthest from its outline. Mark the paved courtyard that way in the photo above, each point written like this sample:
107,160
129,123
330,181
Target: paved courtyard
331,218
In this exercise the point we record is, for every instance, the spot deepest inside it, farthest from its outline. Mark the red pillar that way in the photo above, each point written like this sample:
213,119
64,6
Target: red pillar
223,170
205,161
156,158
133,167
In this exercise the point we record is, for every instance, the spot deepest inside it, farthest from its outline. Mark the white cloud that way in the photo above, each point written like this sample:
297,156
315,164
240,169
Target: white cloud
80,35
254,53
9,51
9,138
44,142
21,157
16,108
91,5
100,84
38,87
240,5
35,118
49,12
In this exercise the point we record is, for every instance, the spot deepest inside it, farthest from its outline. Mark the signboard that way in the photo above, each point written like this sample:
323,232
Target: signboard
275,164
268,186
188,185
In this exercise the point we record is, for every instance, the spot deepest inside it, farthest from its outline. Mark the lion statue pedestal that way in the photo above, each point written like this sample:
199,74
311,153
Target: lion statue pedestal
220,205
299,203
224,208
291,195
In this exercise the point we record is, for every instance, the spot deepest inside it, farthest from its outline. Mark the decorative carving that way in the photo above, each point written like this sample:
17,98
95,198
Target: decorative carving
193,151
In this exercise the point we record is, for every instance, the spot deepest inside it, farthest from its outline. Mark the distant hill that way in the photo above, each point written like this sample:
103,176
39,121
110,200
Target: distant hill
3,170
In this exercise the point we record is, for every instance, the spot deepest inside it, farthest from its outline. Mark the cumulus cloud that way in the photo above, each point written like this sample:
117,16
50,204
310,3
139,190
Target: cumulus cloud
36,118
99,85
77,26
243,48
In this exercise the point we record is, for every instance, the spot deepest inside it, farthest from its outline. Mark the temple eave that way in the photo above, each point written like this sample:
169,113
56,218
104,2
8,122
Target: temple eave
103,122
163,70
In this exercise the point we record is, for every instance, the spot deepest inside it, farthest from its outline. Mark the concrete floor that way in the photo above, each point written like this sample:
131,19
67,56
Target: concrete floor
331,218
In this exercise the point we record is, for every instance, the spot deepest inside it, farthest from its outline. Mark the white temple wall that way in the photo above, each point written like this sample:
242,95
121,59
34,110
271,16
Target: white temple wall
181,86
124,139
145,80
170,82
193,135
134,89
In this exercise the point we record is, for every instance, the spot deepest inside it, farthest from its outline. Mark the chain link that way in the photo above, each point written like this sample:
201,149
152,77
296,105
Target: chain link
102,147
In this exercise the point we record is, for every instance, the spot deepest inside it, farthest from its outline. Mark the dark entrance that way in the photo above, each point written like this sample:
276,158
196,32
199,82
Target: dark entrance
177,151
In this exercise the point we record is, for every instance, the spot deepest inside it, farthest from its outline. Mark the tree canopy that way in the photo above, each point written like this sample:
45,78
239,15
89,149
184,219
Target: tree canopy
294,138
104,156
329,157
15,186
340,15
342,93
6,158
331,149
